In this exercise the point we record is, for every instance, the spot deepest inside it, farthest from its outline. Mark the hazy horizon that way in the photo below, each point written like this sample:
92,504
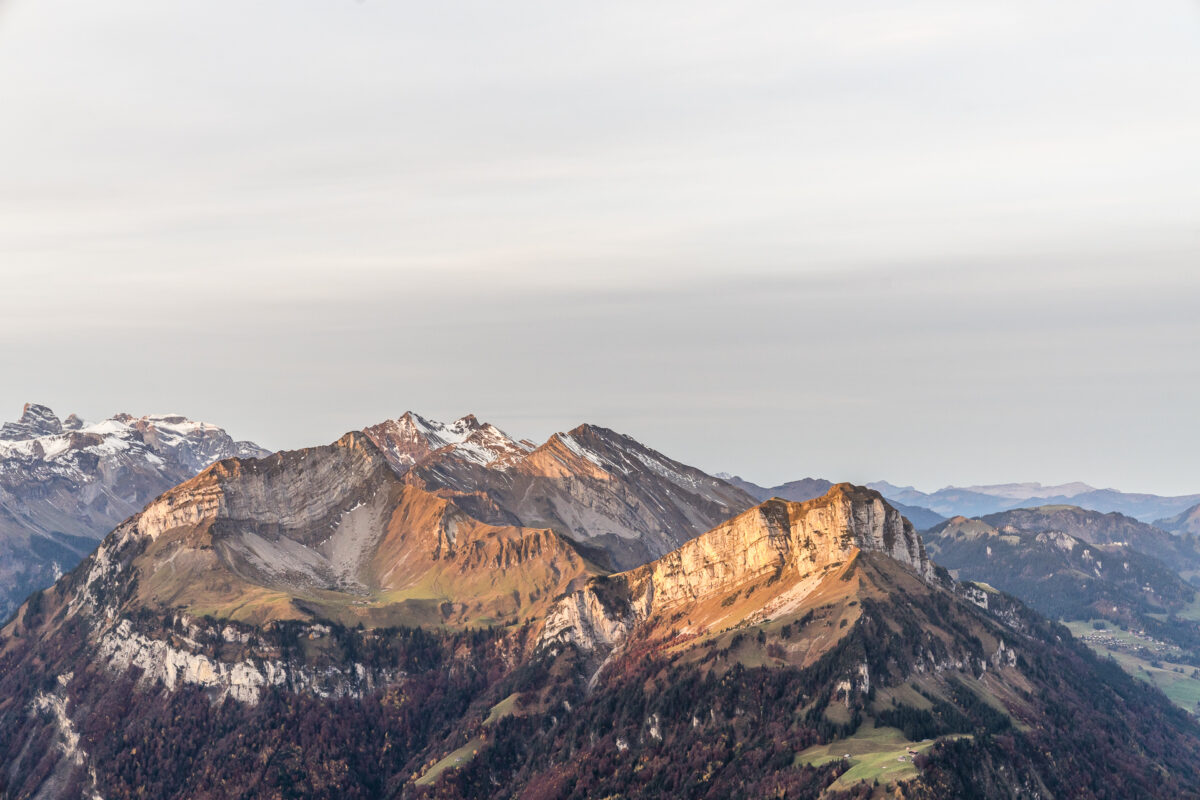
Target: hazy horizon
710,468
932,244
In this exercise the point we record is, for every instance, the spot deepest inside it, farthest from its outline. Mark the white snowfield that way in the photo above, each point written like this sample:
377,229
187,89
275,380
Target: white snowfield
466,438
195,444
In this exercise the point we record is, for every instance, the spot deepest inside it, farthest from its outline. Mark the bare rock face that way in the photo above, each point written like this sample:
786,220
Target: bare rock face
171,664
777,551
64,485
595,486
36,420
789,536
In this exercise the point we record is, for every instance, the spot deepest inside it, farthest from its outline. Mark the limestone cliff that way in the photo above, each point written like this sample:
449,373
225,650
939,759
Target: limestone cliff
776,553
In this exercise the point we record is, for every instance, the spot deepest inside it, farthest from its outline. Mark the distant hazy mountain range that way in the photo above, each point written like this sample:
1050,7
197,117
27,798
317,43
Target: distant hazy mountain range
1180,514
809,488
1184,522
974,501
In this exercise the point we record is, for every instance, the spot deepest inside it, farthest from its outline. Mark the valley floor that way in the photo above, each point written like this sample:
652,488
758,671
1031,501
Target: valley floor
1145,659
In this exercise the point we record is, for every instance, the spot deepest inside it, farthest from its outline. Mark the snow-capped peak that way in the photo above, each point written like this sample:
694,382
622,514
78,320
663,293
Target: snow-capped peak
489,445
576,448
40,436
438,434
36,420
412,437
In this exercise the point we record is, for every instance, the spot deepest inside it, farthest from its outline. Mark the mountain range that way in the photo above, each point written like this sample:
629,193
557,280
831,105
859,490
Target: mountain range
1181,553
975,501
1083,577
437,610
809,488
485,509
64,484
1179,514
593,485
355,544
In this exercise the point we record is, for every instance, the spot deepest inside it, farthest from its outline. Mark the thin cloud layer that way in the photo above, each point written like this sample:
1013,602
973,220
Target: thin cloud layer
927,242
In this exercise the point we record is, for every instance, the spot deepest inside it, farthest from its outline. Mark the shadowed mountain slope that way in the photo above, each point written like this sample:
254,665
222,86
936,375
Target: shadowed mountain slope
1181,553
1185,522
1068,578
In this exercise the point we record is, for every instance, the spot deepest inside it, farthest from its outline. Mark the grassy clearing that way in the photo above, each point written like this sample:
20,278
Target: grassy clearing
904,694
873,754
1180,687
455,759
502,709
465,753
1192,610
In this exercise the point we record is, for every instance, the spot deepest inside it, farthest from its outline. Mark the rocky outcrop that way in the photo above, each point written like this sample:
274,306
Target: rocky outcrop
584,619
172,665
779,535
36,420
782,548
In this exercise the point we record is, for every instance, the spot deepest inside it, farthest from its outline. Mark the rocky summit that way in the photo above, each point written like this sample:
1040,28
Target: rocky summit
606,491
36,420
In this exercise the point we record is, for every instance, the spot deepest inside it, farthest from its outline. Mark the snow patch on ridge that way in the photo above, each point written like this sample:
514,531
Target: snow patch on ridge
579,450
411,438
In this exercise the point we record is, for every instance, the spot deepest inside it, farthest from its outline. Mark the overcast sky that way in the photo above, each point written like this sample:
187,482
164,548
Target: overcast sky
932,242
